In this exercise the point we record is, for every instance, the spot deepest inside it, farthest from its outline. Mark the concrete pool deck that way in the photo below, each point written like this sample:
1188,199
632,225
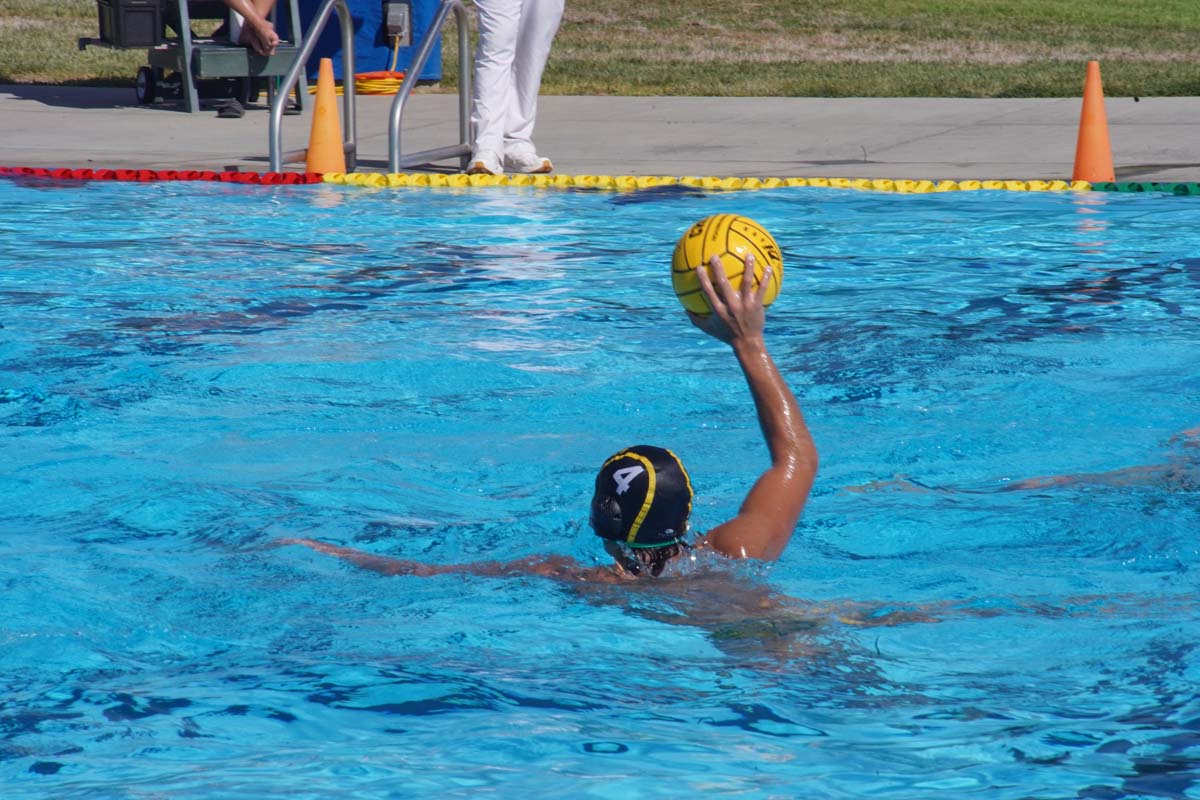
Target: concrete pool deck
1153,139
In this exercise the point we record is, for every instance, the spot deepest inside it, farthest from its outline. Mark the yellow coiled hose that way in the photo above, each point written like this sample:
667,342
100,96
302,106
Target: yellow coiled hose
383,82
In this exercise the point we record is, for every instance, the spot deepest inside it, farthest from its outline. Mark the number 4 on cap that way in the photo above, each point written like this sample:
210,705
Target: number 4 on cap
625,476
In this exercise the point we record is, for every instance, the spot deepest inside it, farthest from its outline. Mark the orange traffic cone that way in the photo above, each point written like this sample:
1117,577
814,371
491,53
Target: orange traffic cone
1093,153
325,150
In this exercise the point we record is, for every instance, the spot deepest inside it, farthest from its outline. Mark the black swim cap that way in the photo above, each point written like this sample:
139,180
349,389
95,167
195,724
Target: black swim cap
643,498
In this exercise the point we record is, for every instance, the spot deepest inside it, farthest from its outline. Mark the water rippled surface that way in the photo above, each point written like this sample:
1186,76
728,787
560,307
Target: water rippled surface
189,373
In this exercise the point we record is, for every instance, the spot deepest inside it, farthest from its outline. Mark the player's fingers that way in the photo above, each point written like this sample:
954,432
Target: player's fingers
749,277
704,275
720,279
761,294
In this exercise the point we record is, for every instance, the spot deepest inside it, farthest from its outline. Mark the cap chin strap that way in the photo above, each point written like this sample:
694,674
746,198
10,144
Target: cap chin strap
668,543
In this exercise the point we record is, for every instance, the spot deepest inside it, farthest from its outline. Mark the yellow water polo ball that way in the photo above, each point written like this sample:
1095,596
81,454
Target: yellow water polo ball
730,236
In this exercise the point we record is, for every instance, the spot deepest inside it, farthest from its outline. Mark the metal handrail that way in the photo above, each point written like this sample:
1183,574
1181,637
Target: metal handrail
289,82
191,96
396,162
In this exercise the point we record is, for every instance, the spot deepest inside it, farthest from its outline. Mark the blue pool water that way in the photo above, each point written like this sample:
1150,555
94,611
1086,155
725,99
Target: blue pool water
190,373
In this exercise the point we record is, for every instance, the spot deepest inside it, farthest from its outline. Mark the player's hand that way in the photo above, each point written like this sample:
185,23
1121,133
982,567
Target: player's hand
737,313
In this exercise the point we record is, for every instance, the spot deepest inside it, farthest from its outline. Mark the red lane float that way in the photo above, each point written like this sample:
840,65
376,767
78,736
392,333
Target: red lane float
153,175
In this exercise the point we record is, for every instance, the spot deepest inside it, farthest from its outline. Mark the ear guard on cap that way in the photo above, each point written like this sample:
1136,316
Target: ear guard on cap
606,518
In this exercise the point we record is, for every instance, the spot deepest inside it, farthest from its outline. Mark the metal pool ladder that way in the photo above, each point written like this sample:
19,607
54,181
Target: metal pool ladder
462,150
278,157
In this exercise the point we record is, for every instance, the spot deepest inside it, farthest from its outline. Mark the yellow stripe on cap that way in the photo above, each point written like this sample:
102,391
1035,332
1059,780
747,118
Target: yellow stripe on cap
647,501
687,479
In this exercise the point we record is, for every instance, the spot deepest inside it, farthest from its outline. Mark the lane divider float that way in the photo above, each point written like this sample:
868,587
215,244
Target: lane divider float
708,183
1182,188
152,175
598,182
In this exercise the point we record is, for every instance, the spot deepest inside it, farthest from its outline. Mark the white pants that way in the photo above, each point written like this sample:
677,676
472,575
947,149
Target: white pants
514,43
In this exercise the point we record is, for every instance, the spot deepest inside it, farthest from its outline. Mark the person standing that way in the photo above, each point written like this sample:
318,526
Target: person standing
514,42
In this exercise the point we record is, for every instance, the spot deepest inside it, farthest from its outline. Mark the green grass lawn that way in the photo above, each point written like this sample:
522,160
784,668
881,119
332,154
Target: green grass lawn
835,48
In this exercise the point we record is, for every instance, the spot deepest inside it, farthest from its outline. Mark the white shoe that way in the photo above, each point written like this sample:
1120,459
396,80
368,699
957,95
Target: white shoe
527,162
485,162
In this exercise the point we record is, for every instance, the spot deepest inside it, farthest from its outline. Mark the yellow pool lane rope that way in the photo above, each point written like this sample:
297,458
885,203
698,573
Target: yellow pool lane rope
628,182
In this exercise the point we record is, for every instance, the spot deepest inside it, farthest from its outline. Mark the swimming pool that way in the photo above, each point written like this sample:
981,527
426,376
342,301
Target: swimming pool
192,372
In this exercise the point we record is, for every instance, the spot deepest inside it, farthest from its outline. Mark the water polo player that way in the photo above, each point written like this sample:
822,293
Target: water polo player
643,495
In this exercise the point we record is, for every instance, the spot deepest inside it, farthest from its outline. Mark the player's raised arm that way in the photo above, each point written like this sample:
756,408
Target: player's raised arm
764,524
